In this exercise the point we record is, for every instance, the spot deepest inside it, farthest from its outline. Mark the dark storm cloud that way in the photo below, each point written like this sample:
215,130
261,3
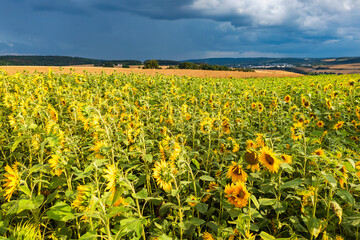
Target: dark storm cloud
140,29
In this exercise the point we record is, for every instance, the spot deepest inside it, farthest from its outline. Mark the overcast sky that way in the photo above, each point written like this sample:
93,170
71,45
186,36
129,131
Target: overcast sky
180,29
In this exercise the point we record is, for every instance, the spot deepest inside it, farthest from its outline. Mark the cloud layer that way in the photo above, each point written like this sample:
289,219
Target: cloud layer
180,29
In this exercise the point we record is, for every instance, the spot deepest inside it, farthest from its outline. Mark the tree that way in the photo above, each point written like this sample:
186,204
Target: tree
152,64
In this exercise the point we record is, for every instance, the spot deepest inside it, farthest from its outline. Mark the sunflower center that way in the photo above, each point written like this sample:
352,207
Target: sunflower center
240,194
165,175
237,170
250,158
269,159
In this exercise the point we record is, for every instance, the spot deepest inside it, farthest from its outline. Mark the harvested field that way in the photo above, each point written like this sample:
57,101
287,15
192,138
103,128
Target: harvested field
335,69
178,72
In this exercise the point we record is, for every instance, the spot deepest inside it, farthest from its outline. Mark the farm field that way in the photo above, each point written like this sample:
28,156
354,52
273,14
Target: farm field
153,72
335,69
136,156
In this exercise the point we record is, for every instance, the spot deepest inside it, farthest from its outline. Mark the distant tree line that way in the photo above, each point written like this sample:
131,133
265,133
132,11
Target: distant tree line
60,61
205,66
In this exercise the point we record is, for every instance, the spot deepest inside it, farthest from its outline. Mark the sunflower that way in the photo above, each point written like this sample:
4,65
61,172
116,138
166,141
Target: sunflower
260,107
296,133
164,173
110,177
237,194
338,125
268,159
337,114
305,102
319,152
225,125
286,158
54,161
213,185
250,144
120,201
320,124
12,181
328,103
83,194
192,201
176,152
207,236
260,140
343,178
236,173
253,105
251,158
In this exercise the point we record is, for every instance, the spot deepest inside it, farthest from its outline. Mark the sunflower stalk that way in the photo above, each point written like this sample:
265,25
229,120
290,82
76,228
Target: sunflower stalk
179,204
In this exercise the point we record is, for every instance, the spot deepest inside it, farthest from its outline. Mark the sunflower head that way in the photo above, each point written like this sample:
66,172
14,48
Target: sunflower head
164,173
251,158
287,98
286,158
192,201
319,152
237,194
320,124
207,236
338,125
236,173
12,180
269,160
110,177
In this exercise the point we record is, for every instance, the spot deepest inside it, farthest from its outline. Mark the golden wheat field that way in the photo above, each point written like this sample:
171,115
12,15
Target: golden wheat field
153,72
102,155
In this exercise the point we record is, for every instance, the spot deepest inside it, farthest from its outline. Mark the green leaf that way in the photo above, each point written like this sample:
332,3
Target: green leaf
174,192
60,212
201,207
234,212
143,194
88,236
266,236
353,221
196,163
350,165
51,196
207,178
213,226
30,204
17,142
280,207
57,182
132,224
344,194
255,201
25,189
116,210
165,208
267,201
149,158
314,226
165,237
291,184
330,178
36,168
197,221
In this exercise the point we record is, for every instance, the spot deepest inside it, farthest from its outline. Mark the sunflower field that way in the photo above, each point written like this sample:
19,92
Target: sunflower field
97,156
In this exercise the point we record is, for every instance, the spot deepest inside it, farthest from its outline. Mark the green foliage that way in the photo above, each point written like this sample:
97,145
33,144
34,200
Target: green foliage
151,64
